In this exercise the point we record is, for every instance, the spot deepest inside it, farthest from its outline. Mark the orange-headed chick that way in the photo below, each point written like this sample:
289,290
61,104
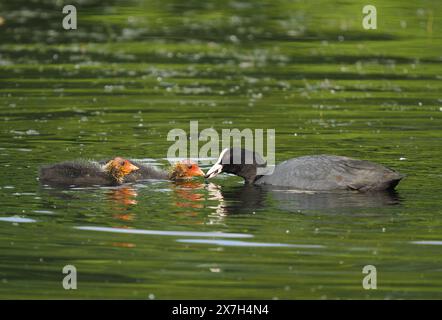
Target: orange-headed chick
185,169
86,173
118,168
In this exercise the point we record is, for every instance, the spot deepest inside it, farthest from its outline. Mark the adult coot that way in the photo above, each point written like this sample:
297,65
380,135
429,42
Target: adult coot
321,172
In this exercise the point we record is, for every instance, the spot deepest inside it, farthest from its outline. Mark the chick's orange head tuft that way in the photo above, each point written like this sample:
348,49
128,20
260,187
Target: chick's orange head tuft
121,165
186,169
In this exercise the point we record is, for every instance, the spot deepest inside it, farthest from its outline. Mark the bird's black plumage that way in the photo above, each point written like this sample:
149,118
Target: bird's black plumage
319,172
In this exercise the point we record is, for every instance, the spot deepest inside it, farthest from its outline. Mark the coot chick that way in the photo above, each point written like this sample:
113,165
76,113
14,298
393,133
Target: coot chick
320,172
84,173
181,170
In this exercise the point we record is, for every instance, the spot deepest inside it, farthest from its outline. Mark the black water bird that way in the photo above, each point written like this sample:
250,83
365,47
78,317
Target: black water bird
318,172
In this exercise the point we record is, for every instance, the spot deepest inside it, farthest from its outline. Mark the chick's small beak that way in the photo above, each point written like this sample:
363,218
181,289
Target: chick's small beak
214,171
199,172
128,168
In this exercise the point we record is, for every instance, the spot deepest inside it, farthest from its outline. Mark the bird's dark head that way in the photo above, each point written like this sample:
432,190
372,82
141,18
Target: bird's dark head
237,161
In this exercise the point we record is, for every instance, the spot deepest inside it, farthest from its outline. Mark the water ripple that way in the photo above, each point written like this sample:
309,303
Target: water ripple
434,242
167,233
250,244
16,219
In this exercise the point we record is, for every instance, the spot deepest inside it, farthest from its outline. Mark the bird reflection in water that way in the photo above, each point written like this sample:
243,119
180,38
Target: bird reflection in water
124,195
247,199
244,199
122,199
219,208
186,194
197,195
189,196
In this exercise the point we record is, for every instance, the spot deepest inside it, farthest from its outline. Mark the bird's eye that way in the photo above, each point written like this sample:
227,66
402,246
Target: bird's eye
122,163
189,166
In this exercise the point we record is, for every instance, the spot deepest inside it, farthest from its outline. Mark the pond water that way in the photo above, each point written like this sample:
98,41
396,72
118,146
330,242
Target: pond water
134,70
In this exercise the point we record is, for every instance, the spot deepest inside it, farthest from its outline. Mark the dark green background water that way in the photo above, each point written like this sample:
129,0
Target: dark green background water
134,70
